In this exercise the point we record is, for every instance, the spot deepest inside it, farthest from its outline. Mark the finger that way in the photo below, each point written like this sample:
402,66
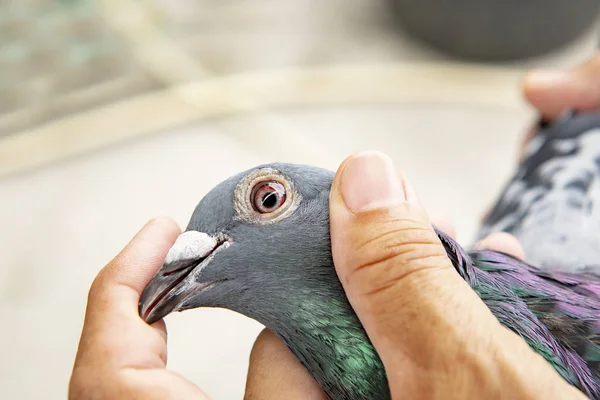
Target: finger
440,221
444,224
504,243
113,332
415,308
130,383
553,92
137,263
274,370
395,270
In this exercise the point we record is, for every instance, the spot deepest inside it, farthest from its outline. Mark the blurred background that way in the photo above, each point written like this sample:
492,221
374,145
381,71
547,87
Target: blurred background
115,111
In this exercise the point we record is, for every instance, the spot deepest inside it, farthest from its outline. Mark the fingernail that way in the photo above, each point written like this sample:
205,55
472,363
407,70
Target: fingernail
409,192
155,221
150,222
548,77
370,181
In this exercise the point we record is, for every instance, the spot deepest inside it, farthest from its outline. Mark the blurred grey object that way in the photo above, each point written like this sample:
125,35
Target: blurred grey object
66,61
495,30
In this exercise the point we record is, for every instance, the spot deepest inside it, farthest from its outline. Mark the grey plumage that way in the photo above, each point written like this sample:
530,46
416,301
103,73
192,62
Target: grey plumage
555,195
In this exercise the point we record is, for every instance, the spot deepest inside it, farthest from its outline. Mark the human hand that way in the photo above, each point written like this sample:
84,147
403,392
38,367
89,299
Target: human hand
122,357
119,355
436,338
552,92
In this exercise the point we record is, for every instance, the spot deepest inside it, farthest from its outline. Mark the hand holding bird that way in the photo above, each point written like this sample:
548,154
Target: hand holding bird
436,338
433,335
416,310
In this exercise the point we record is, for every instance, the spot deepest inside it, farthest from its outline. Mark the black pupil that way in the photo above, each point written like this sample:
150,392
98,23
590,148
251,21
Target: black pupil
269,199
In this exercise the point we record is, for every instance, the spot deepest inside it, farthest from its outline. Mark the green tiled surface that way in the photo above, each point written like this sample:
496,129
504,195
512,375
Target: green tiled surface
51,50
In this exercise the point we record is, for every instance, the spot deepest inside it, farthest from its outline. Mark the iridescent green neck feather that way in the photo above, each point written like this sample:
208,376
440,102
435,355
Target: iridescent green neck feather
329,340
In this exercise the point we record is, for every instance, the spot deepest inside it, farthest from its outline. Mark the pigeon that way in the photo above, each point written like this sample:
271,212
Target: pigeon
553,195
259,244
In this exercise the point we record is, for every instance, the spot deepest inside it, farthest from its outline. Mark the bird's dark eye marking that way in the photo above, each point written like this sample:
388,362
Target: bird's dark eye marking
267,197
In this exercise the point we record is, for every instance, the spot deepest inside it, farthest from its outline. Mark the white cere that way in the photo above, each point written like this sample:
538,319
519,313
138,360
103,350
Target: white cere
191,245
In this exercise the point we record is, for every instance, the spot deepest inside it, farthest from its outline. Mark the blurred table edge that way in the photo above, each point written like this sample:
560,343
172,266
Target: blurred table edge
447,83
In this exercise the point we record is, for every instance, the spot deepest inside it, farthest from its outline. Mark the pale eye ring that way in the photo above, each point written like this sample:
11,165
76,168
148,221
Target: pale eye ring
267,196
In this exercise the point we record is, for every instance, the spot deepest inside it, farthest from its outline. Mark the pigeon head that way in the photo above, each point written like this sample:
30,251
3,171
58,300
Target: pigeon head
250,240
259,244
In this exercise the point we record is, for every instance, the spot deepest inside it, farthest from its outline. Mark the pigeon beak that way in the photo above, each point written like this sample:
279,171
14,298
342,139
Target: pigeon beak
176,280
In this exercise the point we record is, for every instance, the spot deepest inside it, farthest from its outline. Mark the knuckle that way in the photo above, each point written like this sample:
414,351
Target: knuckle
394,254
406,241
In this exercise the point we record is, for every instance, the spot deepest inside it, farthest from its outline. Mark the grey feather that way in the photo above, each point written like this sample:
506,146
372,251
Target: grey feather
552,203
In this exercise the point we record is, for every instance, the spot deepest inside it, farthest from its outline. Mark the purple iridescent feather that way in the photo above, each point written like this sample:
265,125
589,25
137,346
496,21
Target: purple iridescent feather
550,206
557,314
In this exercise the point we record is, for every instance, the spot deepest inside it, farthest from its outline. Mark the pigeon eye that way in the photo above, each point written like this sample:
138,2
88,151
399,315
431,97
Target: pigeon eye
267,197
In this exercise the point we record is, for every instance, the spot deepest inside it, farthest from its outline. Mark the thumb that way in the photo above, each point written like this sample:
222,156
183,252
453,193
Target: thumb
434,335
396,273
553,92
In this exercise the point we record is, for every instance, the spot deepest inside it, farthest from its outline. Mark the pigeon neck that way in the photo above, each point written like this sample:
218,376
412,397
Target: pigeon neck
327,338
